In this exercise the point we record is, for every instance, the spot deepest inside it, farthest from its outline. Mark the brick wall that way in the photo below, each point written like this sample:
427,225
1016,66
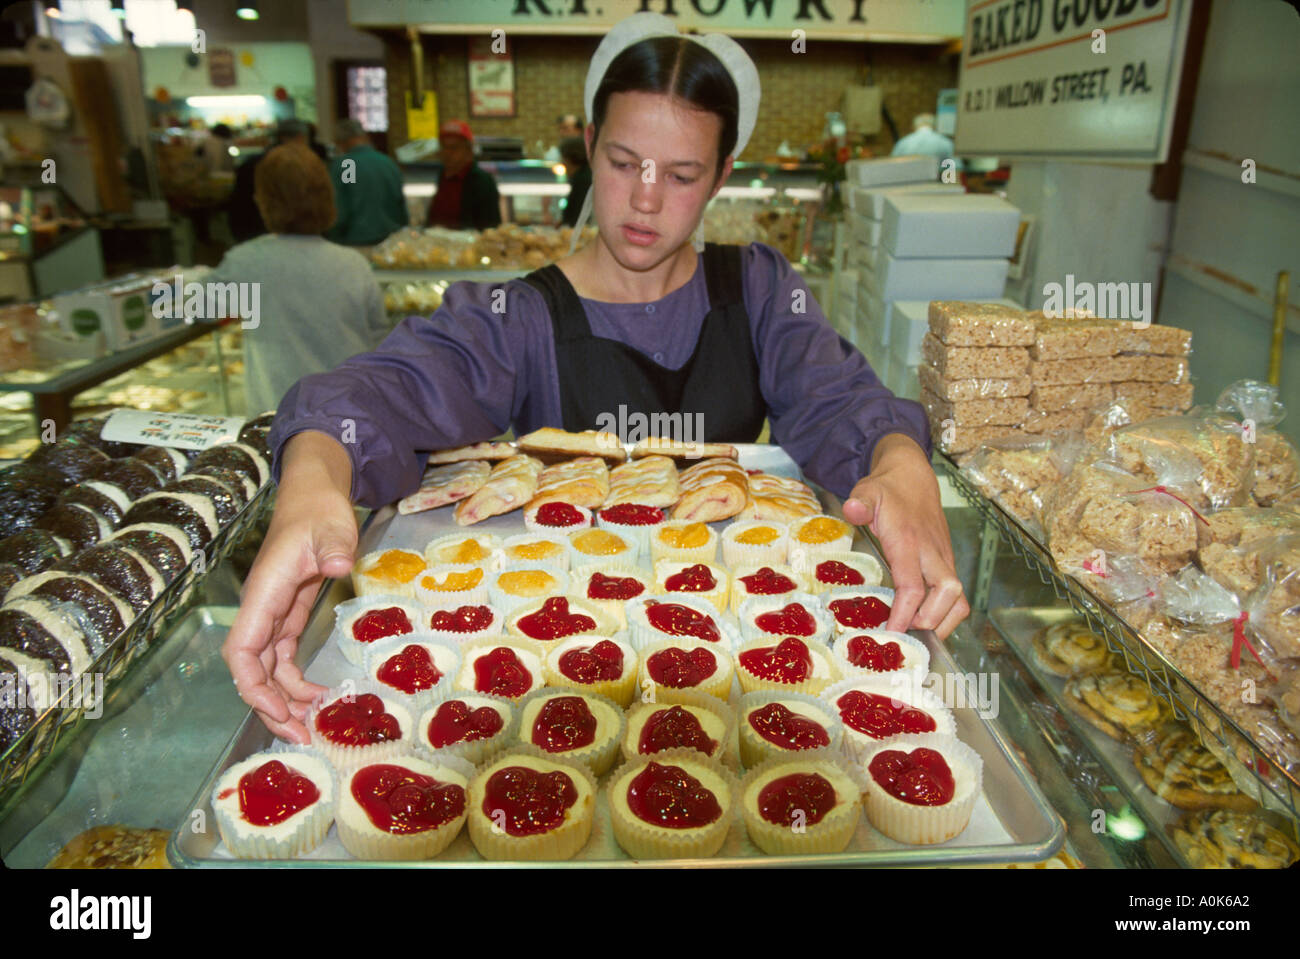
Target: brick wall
798,89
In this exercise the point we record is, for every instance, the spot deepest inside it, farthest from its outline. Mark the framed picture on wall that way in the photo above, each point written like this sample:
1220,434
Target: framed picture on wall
491,77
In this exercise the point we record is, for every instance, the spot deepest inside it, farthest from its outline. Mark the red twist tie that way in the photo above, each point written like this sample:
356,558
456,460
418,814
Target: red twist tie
1166,491
1239,640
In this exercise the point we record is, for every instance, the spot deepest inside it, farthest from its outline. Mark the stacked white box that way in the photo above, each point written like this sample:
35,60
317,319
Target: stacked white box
909,321
869,201
887,171
935,225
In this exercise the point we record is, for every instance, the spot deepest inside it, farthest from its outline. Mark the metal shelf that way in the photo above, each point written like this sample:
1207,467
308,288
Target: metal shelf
1271,785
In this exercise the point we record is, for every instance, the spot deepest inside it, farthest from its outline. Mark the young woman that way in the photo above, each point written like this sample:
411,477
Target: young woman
637,318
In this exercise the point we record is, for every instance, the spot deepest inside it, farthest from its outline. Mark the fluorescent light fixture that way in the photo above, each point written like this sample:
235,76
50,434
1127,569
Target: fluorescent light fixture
234,100
247,10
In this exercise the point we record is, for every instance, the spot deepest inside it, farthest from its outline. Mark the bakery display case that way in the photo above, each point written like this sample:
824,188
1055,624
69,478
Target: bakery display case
45,242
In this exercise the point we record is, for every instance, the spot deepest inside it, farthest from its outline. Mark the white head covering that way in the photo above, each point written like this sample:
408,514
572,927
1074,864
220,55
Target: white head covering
640,26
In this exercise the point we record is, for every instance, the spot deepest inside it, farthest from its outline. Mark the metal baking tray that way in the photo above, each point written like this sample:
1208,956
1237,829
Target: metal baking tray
1012,821
1280,792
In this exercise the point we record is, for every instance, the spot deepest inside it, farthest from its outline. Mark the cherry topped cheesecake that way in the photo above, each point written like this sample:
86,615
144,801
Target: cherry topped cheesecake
529,806
705,581
675,664
922,789
610,586
801,803
558,617
460,623
408,808
879,651
674,804
635,521
830,571
412,665
681,617
798,614
473,726
684,720
594,664
855,609
275,805
360,725
500,666
785,663
557,518
775,723
583,727
876,708
775,581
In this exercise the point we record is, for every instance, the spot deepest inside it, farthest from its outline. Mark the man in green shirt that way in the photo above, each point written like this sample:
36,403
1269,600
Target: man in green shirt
367,190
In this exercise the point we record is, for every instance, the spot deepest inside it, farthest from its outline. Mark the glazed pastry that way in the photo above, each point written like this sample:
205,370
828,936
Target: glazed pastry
779,498
527,806
1181,771
446,484
409,808
583,481
33,550
922,789
473,726
776,724
132,477
114,847
593,664
27,491
227,501
509,668
475,451
77,525
232,478
1118,703
275,805
1227,839
802,803
558,617
674,804
712,490
681,720
646,482
656,446
509,486
580,726
787,663
1070,648
553,445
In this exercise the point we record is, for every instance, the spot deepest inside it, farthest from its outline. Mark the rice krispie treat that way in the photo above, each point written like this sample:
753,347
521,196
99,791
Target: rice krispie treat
972,389
959,323
1157,338
1037,421
973,362
1202,456
1078,396
952,438
1100,423
1176,396
1085,369
1063,339
1141,368
1009,411
1277,467
1015,474
1275,612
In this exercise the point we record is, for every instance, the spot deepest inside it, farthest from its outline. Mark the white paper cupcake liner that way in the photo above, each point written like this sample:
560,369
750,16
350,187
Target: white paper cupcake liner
916,658
365,584
531,524
559,558
464,681
726,750
754,749
453,638
883,593
563,842
811,686
508,602
758,605
343,757
642,840
706,553
666,568
871,569
371,844
442,652
605,625
310,825
905,822
801,552
628,555
622,690
488,542
718,685
643,634
599,755
751,554
344,614
639,534
474,751
739,592
580,578
431,597
904,689
833,833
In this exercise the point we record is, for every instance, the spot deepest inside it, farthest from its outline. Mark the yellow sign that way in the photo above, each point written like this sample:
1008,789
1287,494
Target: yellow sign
422,121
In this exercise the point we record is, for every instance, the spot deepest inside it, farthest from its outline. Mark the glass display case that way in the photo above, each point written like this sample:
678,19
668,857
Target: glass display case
45,242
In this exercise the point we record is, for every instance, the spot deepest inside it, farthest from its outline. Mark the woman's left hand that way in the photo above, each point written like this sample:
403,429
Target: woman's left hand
899,503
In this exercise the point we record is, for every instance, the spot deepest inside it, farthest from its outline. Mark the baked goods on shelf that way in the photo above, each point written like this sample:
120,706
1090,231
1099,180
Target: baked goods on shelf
1177,768
1070,648
922,789
801,803
1228,839
675,804
510,486
409,808
1118,703
275,805
114,847
527,806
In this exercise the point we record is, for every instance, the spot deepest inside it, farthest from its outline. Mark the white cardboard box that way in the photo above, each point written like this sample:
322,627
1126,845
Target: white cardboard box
927,224
887,171
909,321
870,201
966,278
863,230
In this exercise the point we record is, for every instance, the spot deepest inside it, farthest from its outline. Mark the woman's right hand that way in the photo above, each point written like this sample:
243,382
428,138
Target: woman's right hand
312,536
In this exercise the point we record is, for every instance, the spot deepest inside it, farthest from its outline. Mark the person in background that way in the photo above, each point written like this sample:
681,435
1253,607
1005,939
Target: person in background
317,147
573,151
367,190
241,209
924,140
568,125
467,197
215,150
318,303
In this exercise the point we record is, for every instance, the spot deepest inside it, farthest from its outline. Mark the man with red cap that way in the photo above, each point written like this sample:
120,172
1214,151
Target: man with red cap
467,197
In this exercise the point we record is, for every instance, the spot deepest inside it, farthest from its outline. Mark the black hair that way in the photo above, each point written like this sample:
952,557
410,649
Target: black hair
681,68
573,151
223,131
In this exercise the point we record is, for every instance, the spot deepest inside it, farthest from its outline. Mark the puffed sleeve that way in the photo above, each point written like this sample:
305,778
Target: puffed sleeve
459,376
826,406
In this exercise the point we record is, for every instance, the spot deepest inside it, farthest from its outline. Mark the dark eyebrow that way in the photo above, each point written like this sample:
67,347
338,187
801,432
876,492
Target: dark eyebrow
625,149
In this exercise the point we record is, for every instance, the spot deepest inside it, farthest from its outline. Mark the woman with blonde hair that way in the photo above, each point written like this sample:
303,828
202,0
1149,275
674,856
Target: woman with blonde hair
317,302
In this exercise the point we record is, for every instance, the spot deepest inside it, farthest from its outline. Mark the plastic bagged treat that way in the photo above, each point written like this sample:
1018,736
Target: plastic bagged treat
1122,582
1008,411
1075,397
1017,471
1145,368
1274,608
973,362
1277,469
1038,422
1206,459
1122,411
1254,406
961,323
1168,396
953,438
1286,695
960,390
1233,543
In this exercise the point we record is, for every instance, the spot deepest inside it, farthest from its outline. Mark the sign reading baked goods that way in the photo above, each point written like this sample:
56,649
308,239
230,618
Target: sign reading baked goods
1090,79
905,21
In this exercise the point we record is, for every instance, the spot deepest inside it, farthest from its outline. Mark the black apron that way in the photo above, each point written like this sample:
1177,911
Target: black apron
600,377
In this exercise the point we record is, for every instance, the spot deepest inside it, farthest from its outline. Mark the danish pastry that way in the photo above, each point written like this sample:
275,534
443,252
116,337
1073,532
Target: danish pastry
1119,704
1069,648
1178,769
1227,839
